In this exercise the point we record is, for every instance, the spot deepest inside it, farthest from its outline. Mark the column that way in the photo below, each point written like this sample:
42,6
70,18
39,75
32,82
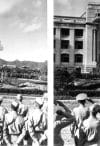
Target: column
58,47
94,45
72,47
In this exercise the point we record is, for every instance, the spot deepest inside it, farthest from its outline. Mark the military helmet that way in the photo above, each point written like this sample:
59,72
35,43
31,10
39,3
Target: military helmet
19,97
81,96
14,105
39,100
45,95
1,98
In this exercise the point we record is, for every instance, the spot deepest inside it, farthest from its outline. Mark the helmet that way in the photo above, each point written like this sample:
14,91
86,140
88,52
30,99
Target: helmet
39,100
14,104
19,97
81,96
45,95
1,98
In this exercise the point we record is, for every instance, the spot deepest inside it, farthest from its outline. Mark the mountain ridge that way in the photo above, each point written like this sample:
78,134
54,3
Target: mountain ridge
30,64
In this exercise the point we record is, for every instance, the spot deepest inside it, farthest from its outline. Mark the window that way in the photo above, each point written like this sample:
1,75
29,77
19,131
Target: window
78,32
64,32
98,14
78,58
54,43
54,31
64,57
64,44
78,44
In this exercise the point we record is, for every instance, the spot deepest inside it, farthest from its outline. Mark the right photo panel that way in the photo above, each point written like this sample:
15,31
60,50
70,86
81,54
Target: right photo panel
76,36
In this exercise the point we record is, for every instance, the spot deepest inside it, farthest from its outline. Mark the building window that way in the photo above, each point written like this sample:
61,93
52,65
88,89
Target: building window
64,57
64,44
54,31
78,32
78,44
98,14
64,32
78,58
54,43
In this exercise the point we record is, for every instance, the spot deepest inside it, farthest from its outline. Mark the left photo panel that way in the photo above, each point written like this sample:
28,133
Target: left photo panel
23,73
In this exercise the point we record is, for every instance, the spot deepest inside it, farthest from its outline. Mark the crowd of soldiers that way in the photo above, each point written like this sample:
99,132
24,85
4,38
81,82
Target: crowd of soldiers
23,125
84,121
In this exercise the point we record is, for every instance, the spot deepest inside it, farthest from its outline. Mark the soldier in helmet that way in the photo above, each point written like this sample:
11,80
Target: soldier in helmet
62,119
80,113
21,105
90,130
23,111
14,126
37,124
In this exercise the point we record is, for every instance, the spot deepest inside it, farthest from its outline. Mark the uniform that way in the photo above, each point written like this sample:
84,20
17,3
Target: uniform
80,113
14,128
36,125
58,126
21,107
90,131
61,120
3,111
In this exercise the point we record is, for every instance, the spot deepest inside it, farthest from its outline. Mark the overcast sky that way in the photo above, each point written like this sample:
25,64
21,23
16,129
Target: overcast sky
23,30
71,7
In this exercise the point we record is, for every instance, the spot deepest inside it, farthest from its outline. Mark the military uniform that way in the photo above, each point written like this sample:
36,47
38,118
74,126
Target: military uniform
58,126
90,131
80,113
22,111
3,111
14,128
36,125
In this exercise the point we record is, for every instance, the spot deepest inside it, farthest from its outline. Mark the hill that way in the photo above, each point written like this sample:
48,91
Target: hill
30,64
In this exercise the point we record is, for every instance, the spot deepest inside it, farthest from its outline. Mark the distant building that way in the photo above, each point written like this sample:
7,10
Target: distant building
77,40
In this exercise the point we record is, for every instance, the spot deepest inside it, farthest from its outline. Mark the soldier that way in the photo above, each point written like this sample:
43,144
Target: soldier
22,111
14,126
44,108
21,105
3,111
80,113
36,124
61,120
90,131
25,116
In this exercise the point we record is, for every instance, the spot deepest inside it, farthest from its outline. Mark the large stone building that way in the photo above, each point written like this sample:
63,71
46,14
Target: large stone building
77,40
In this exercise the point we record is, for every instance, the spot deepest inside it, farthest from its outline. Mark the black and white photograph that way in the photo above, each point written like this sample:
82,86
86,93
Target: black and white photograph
76,37
23,73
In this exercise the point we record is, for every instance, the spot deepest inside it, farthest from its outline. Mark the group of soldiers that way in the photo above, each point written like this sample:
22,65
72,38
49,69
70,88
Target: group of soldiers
84,121
24,125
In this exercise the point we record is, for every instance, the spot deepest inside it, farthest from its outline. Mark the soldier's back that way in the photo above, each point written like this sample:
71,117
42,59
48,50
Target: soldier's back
81,113
90,136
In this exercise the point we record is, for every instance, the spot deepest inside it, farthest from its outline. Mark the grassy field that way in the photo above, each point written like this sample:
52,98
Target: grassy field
27,100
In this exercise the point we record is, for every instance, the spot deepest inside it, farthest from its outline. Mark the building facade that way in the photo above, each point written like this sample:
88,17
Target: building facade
77,40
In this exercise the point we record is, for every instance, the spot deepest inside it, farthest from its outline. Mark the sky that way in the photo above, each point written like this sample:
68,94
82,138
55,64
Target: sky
23,30
71,7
